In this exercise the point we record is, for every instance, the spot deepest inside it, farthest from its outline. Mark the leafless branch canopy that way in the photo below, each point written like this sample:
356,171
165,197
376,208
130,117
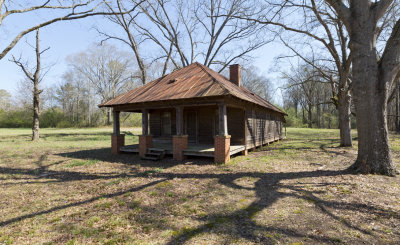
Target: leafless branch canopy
181,32
63,10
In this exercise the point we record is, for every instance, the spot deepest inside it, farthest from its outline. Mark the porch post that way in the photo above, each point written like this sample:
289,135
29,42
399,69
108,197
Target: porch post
246,151
116,128
223,122
117,139
179,120
145,140
179,141
145,122
222,142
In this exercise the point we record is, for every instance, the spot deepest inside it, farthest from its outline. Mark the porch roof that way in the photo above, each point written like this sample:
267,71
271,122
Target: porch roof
193,81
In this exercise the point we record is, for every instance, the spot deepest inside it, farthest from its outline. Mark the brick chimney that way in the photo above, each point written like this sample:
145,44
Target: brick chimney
235,74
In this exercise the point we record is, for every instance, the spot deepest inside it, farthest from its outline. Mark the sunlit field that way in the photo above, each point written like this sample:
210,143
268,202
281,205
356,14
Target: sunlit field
68,189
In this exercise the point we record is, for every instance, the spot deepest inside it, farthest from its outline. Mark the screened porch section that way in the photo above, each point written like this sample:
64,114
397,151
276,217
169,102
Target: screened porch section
200,124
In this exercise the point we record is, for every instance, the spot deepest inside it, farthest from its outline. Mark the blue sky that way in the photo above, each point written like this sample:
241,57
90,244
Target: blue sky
67,38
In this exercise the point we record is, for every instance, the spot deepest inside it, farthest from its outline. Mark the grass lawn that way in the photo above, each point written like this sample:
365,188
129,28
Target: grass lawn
69,189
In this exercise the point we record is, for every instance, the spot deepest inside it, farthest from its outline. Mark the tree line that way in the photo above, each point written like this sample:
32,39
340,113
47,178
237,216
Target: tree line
93,76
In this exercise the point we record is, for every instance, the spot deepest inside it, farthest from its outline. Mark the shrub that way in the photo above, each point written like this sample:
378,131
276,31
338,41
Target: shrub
51,118
16,119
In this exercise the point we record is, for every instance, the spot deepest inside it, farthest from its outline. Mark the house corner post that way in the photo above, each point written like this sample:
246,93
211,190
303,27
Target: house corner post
179,141
145,140
245,132
117,139
222,142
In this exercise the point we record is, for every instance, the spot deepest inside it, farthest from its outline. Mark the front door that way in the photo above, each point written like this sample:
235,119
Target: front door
191,126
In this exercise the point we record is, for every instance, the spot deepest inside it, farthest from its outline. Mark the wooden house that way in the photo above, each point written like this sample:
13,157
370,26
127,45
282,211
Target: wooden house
197,111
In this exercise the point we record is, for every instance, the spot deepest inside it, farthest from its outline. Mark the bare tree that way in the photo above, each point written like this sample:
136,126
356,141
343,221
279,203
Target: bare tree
35,77
108,70
306,87
126,21
59,11
256,82
373,76
319,24
183,32
5,98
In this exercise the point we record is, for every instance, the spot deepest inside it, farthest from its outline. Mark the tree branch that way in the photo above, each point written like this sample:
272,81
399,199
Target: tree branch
380,8
342,11
390,61
70,16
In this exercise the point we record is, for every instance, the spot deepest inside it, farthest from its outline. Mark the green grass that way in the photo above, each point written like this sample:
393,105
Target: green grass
76,163
52,138
68,188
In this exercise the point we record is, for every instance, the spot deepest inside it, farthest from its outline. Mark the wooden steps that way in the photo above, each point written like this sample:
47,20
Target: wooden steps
154,154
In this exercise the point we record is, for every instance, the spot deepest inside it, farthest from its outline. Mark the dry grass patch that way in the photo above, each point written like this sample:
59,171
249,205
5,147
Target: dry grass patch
69,189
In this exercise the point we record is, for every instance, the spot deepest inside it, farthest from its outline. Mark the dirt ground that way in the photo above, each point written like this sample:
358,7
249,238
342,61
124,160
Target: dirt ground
69,189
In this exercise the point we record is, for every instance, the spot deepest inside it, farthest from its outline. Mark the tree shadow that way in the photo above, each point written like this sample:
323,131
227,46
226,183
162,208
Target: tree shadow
268,189
104,155
81,136
339,151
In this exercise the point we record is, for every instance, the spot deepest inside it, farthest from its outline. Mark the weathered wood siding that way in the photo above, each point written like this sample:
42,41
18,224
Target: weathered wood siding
206,123
262,126
254,126
156,122
236,125
191,127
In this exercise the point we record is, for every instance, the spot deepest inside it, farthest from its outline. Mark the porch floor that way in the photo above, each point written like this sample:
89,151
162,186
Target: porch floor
191,150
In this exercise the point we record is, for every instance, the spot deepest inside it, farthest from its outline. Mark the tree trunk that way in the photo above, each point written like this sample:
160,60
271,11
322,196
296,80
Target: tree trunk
374,154
109,112
396,119
370,100
35,128
309,116
318,116
36,91
344,102
329,123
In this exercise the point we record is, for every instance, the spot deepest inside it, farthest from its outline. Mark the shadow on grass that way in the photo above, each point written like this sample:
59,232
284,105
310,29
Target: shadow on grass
80,136
104,156
268,190
330,146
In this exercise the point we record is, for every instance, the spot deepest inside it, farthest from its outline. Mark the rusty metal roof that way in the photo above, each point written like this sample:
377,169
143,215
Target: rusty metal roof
193,81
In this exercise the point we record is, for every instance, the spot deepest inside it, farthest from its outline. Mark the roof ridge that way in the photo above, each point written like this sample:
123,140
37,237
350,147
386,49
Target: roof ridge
240,88
203,67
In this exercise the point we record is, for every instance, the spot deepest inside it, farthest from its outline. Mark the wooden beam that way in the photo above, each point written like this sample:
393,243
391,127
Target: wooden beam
245,127
116,128
209,101
223,122
179,120
134,108
145,122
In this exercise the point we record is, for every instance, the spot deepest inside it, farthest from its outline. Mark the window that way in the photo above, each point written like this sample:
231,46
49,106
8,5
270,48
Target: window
166,123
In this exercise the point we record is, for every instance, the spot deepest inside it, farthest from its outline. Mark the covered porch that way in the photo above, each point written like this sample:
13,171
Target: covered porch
186,130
